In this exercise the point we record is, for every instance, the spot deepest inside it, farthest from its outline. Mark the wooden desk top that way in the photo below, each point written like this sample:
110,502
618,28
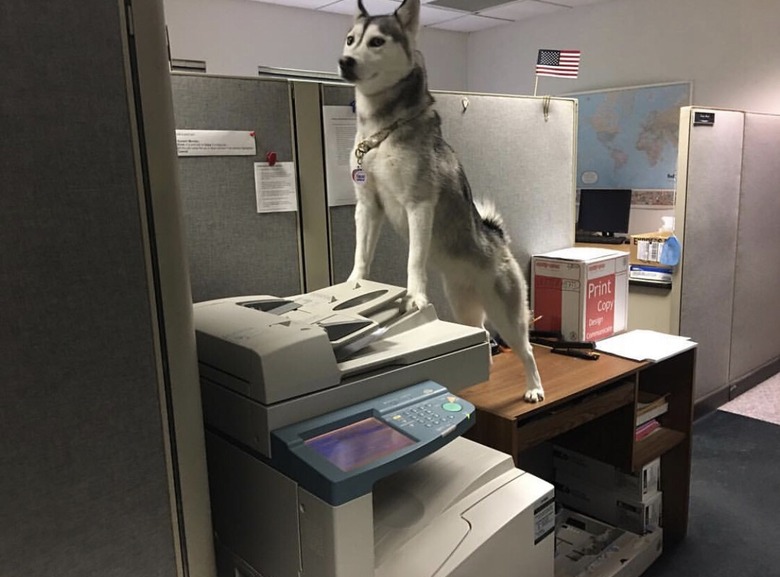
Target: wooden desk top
563,378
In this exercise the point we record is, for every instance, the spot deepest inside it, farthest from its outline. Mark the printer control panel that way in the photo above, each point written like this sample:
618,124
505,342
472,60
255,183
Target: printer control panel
440,414
340,455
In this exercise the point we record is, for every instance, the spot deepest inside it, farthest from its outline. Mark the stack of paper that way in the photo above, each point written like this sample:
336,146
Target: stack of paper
642,344
650,406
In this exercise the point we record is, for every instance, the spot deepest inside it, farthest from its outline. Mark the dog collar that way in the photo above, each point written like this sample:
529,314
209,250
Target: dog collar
373,141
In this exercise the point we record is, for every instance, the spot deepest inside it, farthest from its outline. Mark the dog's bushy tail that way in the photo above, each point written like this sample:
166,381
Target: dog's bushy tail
491,218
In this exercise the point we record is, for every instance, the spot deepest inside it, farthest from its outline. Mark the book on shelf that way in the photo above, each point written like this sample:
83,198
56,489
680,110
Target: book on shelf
650,406
646,429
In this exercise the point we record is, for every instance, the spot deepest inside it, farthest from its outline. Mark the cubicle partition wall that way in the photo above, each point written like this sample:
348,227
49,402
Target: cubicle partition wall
234,249
728,202
102,460
520,152
517,151
756,321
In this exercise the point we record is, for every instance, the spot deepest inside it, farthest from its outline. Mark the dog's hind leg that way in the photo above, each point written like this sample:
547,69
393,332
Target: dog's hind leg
368,225
505,302
465,303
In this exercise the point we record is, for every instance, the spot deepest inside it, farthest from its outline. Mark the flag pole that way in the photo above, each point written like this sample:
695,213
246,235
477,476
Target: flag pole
536,84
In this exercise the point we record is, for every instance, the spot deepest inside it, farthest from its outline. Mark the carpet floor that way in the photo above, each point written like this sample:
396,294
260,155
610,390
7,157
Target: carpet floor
735,502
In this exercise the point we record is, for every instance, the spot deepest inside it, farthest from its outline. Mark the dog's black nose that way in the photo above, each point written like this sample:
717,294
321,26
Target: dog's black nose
347,66
347,63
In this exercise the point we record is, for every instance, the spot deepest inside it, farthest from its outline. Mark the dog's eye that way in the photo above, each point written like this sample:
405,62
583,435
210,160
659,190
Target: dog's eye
376,42
350,40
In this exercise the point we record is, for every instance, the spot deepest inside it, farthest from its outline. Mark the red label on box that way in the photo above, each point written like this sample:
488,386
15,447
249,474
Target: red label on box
600,307
548,298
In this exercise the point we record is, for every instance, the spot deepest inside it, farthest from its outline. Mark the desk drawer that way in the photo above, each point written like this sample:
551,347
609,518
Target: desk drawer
573,414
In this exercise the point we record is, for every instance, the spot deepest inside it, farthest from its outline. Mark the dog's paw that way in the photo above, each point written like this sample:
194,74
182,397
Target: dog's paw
355,277
416,301
534,395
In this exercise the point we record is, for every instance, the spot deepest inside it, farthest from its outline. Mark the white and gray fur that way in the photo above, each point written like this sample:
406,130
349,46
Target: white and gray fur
415,180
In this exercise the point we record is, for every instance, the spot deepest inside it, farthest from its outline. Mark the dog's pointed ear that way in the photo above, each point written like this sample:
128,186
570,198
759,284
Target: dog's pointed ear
408,15
362,12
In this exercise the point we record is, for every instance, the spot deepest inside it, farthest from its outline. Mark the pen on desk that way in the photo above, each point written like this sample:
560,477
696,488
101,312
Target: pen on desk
588,355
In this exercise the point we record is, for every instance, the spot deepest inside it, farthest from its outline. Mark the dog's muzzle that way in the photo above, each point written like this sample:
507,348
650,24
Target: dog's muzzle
347,66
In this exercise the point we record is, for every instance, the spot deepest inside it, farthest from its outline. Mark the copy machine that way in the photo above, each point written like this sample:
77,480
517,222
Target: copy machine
333,441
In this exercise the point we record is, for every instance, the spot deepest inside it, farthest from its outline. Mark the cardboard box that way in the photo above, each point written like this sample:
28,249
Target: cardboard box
586,547
580,292
572,467
646,247
637,516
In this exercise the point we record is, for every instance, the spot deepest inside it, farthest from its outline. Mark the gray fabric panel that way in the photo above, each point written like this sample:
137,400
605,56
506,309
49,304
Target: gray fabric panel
511,156
233,250
337,94
83,479
520,161
342,240
709,245
342,220
756,319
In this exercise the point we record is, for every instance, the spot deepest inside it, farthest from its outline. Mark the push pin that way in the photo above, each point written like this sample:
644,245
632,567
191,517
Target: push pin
271,158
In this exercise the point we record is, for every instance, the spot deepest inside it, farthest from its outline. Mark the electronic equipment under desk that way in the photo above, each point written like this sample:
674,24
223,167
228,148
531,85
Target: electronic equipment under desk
592,406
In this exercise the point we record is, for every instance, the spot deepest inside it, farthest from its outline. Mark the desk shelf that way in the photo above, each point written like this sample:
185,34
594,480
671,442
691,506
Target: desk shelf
590,407
655,446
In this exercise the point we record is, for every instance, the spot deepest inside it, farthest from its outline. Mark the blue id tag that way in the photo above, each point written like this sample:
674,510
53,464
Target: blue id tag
359,176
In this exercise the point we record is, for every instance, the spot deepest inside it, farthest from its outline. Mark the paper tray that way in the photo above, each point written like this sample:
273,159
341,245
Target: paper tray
587,547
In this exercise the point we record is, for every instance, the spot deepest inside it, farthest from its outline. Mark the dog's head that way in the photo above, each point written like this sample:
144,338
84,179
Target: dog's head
380,50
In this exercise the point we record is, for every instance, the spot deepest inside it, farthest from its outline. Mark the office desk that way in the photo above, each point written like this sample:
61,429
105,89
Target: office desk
590,406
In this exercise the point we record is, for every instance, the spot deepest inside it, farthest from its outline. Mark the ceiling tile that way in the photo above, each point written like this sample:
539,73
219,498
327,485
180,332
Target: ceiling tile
350,6
449,14
311,4
470,23
576,3
469,5
522,9
428,14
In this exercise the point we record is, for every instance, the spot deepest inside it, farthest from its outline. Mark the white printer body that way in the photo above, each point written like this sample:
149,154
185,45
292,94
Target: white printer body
334,448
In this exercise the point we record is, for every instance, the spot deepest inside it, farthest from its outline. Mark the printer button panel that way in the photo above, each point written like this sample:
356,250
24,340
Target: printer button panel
441,413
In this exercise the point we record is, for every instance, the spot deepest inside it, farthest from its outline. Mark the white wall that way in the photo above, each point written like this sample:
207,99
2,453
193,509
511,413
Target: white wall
234,37
728,48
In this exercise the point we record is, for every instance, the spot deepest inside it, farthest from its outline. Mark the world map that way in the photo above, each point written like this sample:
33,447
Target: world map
627,138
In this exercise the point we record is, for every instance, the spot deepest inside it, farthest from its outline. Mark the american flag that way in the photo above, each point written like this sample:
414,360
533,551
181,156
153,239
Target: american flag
565,63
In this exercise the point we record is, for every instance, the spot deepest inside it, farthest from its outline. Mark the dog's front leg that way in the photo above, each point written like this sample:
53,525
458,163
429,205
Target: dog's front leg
368,225
420,219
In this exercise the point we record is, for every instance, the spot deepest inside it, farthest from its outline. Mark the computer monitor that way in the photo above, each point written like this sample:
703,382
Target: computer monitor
604,210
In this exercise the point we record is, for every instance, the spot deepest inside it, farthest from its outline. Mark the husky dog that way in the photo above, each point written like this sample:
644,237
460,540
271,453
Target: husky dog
404,170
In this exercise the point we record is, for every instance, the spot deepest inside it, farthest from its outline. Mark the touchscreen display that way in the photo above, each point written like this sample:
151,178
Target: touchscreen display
358,444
